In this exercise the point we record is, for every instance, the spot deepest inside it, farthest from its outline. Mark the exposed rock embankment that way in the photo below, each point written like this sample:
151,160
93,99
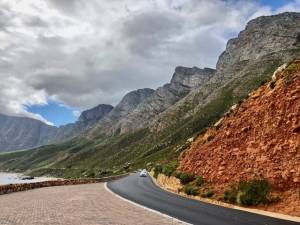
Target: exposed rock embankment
259,138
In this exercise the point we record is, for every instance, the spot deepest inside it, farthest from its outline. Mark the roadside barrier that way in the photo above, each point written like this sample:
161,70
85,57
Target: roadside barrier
10,188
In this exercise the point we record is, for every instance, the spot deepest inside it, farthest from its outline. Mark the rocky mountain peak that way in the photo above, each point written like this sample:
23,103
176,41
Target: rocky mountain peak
183,81
262,36
132,99
96,113
127,105
192,77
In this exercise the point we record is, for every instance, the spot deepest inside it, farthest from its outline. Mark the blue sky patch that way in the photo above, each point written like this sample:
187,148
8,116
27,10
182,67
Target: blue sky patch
54,112
275,4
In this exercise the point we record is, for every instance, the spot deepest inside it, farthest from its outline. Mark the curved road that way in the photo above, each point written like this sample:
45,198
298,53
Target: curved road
142,190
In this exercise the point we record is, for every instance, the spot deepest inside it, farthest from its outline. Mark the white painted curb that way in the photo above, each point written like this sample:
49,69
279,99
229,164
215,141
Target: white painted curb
144,207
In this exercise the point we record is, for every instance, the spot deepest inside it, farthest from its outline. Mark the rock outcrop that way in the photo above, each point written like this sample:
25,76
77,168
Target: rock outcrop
259,138
266,43
127,105
93,115
262,36
183,81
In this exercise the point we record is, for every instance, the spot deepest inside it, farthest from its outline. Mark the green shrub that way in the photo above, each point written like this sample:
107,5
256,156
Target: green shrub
169,169
177,174
208,194
89,174
254,192
199,181
157,170
249,193
186,178
290,71
191,189
231,194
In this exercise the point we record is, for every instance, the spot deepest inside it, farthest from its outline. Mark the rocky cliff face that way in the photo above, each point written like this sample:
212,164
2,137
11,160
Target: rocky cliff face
192,77
183,81
127,105
262,36
91,116
248,60
22,133
259,138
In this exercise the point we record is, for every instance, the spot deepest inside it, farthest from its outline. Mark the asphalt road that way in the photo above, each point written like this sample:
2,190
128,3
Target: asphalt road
142,190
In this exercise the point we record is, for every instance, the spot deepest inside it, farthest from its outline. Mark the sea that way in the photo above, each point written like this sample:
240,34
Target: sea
16,178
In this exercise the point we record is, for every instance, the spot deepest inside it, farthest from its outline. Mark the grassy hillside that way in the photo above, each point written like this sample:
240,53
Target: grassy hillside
81,157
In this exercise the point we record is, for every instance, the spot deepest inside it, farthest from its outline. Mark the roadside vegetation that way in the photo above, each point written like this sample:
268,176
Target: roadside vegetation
249,193
246,193
191,184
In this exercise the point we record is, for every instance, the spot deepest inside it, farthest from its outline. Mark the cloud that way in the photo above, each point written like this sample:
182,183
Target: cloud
293,6
15,95
83,53
35,21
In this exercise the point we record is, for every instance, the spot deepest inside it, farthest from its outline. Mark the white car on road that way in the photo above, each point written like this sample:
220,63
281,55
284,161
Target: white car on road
143,173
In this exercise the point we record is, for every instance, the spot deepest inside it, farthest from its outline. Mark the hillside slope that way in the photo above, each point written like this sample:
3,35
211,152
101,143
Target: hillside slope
126,106
19,132
259,138
184,80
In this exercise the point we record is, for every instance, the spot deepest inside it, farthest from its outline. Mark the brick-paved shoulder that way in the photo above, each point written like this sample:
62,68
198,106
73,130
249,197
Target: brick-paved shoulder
88,204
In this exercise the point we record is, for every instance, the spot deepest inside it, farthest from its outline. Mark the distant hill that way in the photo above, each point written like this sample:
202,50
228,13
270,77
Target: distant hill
17,133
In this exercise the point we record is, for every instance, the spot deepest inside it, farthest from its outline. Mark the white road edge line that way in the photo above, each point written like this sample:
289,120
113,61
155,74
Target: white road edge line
144,207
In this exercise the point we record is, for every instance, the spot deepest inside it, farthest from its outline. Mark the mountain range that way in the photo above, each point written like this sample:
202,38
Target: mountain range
22,133
17,133
154,125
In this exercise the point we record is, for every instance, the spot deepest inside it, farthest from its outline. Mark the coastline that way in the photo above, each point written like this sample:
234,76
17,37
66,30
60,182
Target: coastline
7,178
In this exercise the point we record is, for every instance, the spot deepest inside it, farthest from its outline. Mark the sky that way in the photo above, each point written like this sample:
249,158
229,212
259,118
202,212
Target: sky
60,57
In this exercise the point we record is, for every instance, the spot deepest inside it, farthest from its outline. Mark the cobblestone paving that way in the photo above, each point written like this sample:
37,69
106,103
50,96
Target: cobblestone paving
88,204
